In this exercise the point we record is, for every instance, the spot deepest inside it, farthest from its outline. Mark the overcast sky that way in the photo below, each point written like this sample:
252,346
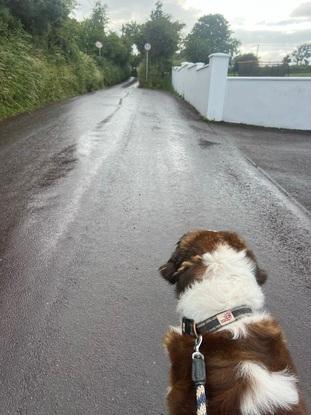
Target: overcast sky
277,26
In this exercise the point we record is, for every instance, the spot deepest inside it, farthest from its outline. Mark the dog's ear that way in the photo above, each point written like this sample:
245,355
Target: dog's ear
261,276
179,268
169,272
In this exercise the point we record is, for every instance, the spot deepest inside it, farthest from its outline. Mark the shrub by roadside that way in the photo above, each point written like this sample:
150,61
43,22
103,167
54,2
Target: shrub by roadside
157,79
36,69
29,78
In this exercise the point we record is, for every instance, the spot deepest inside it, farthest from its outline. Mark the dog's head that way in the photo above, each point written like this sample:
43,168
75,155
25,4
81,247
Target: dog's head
186,266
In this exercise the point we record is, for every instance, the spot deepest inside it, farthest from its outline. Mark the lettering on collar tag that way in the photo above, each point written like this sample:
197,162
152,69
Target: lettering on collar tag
225,318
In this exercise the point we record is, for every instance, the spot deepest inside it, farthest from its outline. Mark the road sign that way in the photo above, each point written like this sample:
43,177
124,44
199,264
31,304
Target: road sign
147,47
99,46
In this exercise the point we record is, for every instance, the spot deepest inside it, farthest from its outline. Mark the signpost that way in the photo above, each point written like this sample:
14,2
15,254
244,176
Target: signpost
147,49
99,46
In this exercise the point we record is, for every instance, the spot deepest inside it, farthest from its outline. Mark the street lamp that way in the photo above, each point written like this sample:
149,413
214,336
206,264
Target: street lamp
147,49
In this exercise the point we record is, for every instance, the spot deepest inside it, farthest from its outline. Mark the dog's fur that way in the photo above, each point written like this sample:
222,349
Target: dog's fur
249,369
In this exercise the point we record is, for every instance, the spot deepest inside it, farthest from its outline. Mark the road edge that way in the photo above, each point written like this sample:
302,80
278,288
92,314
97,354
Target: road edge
279,186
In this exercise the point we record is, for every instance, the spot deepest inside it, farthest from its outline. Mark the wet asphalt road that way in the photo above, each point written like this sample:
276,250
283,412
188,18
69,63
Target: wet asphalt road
284,155
94,193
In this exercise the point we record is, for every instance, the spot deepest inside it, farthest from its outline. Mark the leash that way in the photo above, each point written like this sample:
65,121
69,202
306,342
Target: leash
210,325
199,376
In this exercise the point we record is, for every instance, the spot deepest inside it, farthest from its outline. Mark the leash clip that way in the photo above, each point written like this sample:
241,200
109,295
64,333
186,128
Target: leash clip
197,343
198,363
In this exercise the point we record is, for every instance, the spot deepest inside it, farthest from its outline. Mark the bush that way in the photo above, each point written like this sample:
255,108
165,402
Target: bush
299,69
49,66
157,78
20,76
29,78
113,73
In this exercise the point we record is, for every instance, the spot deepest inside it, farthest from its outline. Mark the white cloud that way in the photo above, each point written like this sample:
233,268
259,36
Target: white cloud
303,10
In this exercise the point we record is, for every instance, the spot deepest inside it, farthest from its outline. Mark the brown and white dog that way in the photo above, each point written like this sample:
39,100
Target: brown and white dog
249,369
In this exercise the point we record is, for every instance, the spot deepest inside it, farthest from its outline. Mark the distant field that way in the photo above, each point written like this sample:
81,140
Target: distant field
300,74
308,74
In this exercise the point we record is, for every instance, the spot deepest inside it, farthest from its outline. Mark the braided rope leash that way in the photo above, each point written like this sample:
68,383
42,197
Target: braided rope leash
199,377
201,400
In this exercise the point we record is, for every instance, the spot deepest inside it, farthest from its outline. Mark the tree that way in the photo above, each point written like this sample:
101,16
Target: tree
130,35
246,64
211,34
65,38
131,32
116,50
99,18
94,28
302,54
36,16
162,33
286,60
164,36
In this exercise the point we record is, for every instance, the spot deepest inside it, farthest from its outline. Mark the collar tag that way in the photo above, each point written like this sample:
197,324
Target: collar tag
225,318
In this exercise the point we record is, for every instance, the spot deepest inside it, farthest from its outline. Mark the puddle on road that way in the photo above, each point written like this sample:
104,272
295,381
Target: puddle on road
155,128
206,143
59,166
151,115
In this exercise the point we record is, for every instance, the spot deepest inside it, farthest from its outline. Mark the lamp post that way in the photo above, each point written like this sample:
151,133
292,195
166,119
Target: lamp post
147,49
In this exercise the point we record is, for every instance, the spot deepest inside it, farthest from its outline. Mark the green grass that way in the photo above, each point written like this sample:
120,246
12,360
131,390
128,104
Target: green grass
30,77
301,74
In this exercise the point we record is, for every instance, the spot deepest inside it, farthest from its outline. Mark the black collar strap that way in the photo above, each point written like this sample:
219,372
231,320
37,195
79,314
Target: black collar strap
215,322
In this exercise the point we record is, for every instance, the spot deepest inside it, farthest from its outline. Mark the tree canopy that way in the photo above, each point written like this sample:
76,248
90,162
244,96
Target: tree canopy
162,33
209,35
94,28
302,54
37,15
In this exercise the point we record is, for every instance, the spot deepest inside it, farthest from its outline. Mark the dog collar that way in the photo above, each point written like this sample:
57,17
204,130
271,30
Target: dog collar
215,322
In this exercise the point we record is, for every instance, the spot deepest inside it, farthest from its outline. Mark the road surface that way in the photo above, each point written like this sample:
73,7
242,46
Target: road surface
95,191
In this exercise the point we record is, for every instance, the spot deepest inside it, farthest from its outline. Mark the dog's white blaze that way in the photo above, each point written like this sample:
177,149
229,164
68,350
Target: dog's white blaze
229,281
168,390
267,390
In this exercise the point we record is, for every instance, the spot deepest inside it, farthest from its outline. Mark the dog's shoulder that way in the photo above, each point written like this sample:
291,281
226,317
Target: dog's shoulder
177,343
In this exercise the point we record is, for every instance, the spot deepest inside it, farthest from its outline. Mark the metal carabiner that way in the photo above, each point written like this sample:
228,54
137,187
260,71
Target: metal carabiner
197,343
198,364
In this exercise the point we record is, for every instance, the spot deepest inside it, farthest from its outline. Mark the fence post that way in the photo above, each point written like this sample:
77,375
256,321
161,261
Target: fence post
218,66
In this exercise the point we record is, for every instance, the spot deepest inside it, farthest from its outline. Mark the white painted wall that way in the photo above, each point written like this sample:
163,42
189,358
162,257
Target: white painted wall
269,102
191,81
203,85
264,101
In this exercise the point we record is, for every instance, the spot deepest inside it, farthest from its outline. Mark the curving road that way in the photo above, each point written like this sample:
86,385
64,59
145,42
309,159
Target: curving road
94,193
